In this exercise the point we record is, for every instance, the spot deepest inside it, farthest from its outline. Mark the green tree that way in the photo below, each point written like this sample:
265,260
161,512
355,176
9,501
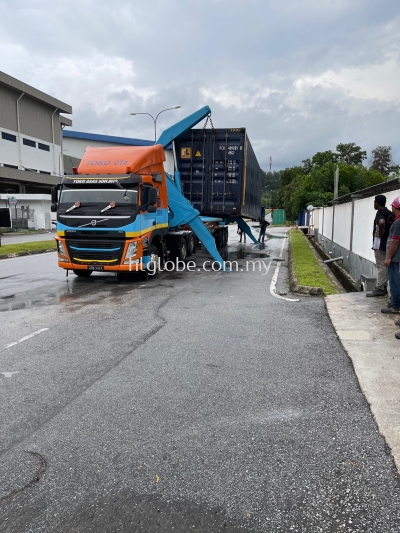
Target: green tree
271,180
382,160
289,174
313,182
321,158
350,154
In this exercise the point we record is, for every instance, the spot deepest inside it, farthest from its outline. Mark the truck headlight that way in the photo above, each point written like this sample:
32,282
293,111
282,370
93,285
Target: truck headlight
61,249
132,249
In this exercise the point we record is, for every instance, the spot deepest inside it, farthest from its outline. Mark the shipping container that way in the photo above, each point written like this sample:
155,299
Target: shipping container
219,172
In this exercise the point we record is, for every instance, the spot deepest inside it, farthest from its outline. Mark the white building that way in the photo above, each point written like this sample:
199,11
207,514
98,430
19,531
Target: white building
30,138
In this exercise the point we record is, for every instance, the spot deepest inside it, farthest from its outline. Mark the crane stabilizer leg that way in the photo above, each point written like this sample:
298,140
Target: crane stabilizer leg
207,239
184,213
246,228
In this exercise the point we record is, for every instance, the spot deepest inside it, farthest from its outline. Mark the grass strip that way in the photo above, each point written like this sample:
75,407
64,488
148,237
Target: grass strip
34,246
307,269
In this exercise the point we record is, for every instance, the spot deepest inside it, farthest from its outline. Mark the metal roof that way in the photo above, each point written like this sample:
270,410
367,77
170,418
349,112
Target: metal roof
106,138
17,85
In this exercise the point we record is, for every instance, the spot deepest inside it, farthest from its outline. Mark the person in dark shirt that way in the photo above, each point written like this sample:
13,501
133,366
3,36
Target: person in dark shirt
392,261
263,227
382,223
241,234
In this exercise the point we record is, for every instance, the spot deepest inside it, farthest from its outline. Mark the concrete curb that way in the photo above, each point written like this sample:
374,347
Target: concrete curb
294,284
348,282
21,254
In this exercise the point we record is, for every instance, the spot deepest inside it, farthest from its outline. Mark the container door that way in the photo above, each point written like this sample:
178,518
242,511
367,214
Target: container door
191,163
225,187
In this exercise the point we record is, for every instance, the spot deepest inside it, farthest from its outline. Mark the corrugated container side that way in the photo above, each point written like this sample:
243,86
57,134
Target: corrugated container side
220,175
279,216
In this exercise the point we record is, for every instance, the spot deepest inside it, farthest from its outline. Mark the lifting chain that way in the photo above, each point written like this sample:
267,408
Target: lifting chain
190,171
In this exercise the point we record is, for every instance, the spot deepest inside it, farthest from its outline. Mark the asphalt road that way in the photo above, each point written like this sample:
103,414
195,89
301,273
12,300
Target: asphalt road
197,401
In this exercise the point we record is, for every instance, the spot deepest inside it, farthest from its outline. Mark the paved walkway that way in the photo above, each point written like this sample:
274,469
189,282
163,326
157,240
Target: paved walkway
368,337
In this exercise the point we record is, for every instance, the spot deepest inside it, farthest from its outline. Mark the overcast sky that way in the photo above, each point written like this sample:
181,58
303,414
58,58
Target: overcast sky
300,75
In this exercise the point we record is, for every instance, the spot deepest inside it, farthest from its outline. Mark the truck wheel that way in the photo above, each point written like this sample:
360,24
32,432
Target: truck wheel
191,245
217,237
154,259
223,240
183,250
82,273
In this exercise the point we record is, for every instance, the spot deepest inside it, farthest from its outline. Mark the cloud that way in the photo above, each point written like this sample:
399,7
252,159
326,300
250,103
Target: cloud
300,76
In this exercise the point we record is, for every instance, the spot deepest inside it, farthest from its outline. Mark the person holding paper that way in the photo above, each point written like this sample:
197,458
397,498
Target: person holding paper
382,223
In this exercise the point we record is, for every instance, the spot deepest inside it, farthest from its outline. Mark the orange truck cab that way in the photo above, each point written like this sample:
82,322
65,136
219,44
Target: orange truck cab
112,213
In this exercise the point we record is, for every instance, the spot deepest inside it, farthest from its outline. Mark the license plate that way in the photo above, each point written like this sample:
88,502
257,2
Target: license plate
95,267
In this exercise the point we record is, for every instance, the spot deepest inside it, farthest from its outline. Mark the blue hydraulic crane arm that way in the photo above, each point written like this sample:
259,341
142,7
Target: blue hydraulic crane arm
170,134
181,209
184,213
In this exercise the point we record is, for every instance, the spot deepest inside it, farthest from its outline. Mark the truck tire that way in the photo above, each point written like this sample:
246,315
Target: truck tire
154,258
183,249
179,249
191,248
223,241
217,238
82,273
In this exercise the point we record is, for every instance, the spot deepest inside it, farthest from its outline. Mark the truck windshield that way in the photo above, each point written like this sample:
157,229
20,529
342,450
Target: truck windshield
99,198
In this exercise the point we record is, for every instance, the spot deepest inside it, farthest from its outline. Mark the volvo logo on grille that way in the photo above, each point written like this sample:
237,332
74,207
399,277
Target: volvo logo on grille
93,222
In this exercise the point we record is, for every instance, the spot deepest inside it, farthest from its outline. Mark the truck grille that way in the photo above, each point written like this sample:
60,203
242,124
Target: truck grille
82,252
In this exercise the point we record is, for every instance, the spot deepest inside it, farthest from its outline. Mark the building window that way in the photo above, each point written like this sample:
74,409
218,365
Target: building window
10,166
45,147
30,169
44,172
28,142
8,137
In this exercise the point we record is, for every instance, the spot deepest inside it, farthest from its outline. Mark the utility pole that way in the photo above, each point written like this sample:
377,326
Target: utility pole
336,183
270,162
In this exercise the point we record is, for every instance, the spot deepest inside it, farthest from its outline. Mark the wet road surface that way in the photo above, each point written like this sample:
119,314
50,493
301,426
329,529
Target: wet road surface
195,401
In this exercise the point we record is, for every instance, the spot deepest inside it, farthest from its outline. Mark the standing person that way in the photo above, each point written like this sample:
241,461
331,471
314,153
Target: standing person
392,261
263,227
382,223
241,234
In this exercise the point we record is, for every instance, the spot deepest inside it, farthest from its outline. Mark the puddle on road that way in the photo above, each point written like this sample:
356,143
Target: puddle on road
258,251
271,236
74,293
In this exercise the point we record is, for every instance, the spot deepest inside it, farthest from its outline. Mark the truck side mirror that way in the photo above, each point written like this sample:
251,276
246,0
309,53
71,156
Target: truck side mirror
54,195
152,209
156,177
53,208
152,196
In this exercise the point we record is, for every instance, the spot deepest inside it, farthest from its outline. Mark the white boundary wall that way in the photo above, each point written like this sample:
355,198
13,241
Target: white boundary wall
363,221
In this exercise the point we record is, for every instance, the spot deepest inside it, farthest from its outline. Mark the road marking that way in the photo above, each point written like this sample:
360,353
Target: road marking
272,288
27,337
8,374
